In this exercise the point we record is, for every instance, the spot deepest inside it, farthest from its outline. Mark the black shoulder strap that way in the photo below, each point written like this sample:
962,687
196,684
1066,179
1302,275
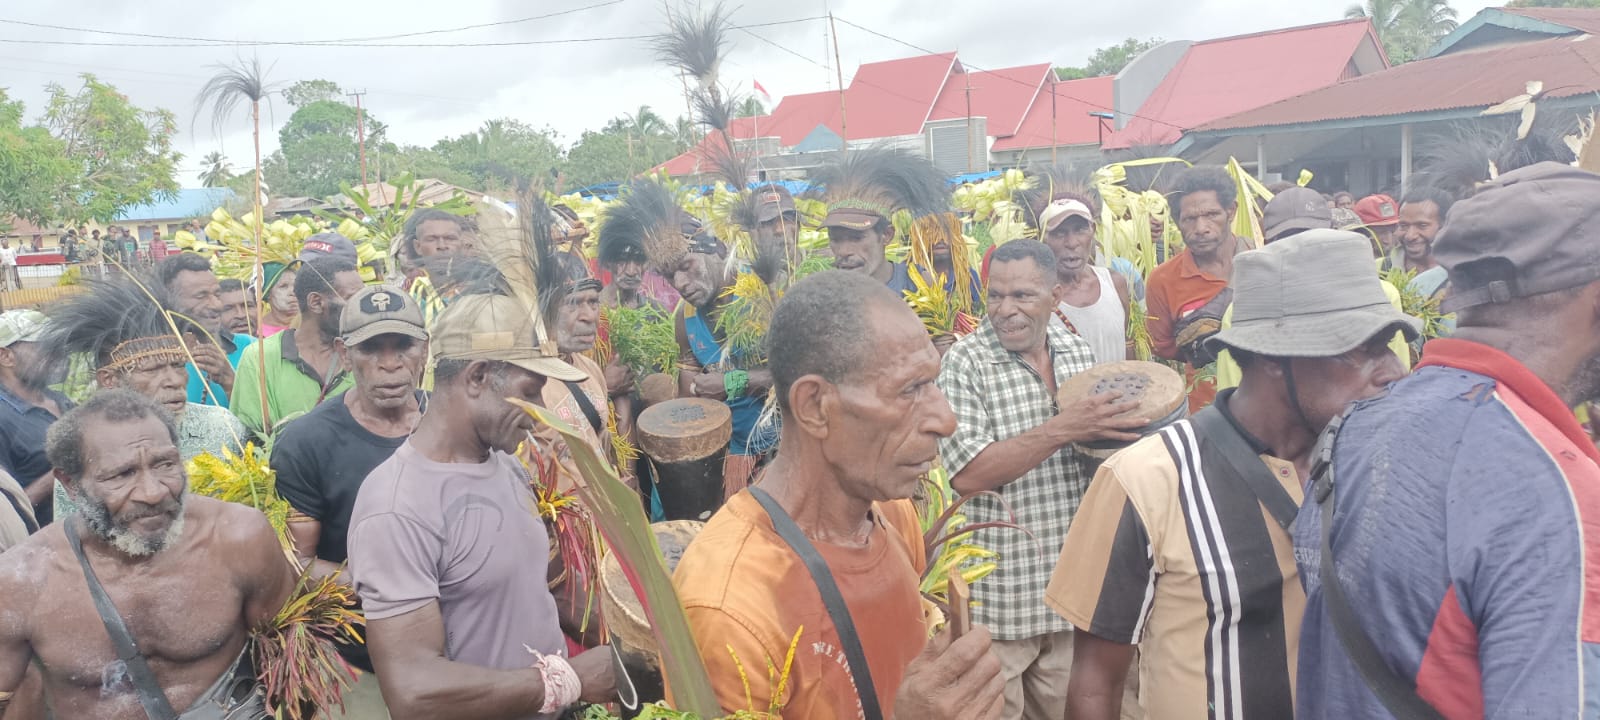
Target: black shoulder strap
1398,695
831,599
151,696
586,406
1246,464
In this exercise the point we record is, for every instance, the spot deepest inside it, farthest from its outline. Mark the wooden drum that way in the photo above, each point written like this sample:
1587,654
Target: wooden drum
686,440
1158,389
625,616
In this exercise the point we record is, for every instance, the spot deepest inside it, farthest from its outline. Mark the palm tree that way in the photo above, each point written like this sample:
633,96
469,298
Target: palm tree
217,171
1407,28
646,122
751,107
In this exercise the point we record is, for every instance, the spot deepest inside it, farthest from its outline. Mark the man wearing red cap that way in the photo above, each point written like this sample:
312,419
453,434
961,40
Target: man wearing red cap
1379,215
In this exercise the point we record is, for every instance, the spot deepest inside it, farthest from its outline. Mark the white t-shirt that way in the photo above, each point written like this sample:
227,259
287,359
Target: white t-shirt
8,257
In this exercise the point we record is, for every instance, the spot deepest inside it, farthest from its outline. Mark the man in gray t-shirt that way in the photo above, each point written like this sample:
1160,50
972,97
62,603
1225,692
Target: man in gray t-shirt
446,547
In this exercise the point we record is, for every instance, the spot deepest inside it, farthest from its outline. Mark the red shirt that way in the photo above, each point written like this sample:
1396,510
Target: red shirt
1176,288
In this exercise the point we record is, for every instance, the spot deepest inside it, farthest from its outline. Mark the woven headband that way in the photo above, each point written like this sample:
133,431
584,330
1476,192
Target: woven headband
130,355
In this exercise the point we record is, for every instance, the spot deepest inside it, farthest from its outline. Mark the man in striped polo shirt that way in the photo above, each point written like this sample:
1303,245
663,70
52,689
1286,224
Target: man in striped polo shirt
1181,546
1465,501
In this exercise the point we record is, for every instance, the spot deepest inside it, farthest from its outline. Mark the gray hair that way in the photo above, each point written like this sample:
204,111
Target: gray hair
63,443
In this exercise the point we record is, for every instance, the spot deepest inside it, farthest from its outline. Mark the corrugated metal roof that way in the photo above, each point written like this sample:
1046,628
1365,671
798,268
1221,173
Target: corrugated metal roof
1567,66
186,203
1218,78
1074,100
1579,19
1002,96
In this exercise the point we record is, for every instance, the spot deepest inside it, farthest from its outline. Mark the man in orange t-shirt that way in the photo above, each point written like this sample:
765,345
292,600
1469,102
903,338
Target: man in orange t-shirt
857,435
1186,296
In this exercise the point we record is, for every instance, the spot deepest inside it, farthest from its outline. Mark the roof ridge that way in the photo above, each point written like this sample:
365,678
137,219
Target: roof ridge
1280,31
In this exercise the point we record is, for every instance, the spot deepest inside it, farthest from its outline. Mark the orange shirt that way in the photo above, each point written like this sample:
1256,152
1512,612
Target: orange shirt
1175,288
745,591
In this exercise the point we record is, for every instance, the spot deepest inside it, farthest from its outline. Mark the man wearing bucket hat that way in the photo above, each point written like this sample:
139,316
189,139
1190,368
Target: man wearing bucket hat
445,540
1182,540
1460,506
27,405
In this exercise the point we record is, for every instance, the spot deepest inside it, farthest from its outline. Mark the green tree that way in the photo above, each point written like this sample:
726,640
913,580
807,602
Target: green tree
1108,60
217,172
751,107
121,154
318,150
33,167
498,154
305,92
1407,28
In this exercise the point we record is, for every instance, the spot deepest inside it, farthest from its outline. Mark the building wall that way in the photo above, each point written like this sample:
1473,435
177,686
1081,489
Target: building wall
1142,76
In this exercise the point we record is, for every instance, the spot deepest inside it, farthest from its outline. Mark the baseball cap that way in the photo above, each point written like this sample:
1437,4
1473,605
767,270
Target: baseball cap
772,201
852,218
21,326
1058,211
1311,295
329,243
1296,208
1529,232
1378,211
495,327
380,310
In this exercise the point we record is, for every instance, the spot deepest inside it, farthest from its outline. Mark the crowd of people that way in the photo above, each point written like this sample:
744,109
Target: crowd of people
1321,531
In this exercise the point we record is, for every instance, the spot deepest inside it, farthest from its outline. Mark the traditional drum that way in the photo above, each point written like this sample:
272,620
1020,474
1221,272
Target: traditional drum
625,616
685,440
1157,388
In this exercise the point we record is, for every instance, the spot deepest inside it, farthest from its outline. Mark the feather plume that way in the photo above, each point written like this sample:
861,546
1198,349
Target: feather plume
518,248
1050,182
886,180
1468,154
648,216
695,43
107,314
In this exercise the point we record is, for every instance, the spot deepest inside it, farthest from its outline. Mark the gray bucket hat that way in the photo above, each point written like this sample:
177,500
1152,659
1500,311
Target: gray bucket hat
1315,294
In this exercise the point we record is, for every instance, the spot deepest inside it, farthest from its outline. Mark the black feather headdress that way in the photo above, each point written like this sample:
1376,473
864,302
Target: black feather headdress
883,181
648,220
1051,182
1469,154
116,323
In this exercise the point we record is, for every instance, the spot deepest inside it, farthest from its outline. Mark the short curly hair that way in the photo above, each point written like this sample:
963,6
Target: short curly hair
1204,178
63,443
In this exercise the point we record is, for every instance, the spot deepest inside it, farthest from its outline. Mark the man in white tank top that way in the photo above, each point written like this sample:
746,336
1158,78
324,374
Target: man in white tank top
1095,306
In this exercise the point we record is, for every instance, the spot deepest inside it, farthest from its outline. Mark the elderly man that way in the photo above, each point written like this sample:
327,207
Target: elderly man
1463,500
447,548
27,404
1188,294
1181,548
1094,300
194,292
857,434
155,612
301,367
129,342
1013,439
236,303
582,405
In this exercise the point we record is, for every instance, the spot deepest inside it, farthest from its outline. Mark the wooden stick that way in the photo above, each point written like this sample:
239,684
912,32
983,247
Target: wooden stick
960,595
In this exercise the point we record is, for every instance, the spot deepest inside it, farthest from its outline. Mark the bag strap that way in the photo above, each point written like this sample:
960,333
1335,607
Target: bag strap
1246,464
1398,695
586,406
151,696
831,599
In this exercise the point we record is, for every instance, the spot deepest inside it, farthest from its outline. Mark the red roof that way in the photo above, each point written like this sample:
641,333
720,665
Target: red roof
893,98
1074,100
797,115
1218,78
697,159
1581,19
1001,96
1567,65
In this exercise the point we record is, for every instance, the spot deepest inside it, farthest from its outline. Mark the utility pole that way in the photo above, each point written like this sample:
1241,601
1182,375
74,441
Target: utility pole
361,134
967,78
838,69
1054,80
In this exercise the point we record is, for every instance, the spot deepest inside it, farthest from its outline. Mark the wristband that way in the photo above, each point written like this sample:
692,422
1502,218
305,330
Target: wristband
734,382
561,684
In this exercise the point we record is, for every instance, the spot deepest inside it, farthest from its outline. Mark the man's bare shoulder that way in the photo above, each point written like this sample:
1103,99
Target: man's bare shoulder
236,527
25,568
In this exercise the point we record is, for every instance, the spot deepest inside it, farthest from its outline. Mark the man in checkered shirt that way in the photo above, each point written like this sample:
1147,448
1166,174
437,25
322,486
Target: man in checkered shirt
1013,439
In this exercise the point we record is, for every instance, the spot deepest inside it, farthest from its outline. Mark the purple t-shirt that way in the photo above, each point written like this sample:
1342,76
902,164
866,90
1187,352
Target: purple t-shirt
468,536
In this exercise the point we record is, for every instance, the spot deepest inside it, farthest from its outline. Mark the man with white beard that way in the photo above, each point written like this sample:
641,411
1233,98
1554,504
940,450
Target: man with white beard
155,612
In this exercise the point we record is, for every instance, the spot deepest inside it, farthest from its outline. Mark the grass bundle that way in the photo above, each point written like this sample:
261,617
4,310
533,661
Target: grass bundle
644,338
743,321
296,659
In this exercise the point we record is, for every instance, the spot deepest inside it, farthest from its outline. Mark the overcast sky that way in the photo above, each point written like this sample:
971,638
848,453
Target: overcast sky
425,93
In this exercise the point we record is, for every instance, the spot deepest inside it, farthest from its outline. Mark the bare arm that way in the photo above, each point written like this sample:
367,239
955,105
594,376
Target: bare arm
688,364
266,576
1099,670
1120,282
418,681
306,532
15,649
1093,417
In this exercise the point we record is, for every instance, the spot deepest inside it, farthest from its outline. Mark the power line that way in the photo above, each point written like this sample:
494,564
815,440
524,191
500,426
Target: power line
1011,79
220,41
853,81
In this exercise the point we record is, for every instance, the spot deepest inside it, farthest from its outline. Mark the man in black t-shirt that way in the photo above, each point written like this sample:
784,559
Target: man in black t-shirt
322,457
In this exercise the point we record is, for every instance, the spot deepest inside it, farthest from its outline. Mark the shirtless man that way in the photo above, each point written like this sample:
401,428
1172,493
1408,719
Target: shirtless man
189,575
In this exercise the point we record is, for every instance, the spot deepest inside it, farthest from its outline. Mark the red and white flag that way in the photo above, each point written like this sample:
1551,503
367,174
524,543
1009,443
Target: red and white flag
763,91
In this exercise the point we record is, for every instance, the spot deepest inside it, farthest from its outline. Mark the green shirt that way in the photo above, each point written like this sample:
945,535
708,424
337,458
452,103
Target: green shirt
293,387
